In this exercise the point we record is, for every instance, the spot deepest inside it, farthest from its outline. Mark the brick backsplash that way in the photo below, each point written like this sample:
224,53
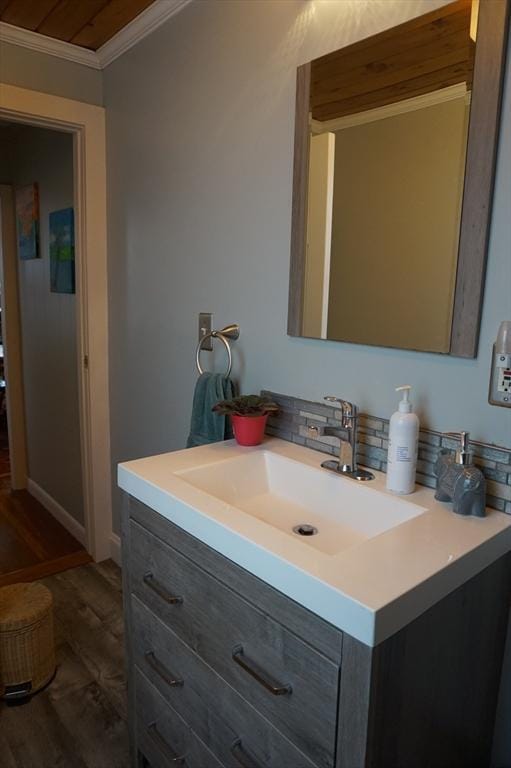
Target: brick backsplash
296,415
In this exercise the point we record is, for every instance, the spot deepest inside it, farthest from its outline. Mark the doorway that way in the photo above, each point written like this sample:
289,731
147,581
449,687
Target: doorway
84,123
37,163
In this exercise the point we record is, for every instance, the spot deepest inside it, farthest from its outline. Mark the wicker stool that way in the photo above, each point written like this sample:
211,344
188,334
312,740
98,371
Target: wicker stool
27,654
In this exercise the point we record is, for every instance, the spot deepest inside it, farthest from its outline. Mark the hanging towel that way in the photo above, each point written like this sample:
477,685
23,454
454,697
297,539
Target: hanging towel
207,426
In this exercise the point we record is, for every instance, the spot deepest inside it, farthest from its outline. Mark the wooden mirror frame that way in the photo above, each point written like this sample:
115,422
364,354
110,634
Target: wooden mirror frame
482,144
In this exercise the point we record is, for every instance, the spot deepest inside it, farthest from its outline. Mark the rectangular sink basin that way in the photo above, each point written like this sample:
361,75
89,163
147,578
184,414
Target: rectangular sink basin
290,496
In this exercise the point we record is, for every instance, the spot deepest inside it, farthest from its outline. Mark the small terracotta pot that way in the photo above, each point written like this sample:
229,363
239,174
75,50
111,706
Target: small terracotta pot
248,430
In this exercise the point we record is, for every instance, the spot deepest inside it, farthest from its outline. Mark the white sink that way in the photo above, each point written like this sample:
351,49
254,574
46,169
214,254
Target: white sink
377,562
285,493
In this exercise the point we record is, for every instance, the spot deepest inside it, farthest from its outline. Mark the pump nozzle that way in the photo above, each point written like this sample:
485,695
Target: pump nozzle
405,405
463,453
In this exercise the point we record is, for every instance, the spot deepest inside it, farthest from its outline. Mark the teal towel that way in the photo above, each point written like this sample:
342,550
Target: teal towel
208,426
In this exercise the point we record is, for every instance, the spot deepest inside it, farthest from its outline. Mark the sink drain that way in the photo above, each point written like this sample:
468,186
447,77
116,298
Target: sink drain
304,529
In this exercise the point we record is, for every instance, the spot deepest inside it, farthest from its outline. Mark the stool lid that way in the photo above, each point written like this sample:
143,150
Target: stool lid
22,605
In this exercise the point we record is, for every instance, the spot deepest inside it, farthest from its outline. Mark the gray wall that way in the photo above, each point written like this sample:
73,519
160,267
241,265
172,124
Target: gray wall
203,224
49,74
48,323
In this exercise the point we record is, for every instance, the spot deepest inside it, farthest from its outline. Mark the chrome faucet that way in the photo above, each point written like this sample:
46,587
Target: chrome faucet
347,463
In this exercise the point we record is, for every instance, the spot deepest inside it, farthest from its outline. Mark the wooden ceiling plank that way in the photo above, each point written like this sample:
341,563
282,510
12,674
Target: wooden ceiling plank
424,84
419,56
436,18
369,81
108,21
69,17
27,14
395,58
405,41
404,69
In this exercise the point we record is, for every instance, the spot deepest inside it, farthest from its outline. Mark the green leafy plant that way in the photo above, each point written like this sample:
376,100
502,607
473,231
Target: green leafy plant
246,405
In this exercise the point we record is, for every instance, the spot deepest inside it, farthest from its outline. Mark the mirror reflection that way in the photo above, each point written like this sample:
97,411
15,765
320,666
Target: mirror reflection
388,121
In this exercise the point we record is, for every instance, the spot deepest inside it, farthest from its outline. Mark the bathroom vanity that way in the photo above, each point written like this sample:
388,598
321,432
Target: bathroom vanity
376,642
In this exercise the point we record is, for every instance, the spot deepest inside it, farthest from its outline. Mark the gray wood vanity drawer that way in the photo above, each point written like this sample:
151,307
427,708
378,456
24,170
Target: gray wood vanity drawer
321,635
287,681
227,723
162,735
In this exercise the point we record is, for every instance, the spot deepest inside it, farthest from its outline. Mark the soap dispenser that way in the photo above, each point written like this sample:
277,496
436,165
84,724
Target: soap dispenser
403,446
459,480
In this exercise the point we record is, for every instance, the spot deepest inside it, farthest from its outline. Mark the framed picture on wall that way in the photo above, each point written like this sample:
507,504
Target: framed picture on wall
27,221
62,251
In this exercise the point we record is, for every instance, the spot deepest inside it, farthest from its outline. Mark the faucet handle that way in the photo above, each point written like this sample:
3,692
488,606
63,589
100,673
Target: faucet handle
348,410
346,406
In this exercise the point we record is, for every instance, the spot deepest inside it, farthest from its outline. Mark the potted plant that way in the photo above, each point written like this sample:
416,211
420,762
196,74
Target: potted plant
248,415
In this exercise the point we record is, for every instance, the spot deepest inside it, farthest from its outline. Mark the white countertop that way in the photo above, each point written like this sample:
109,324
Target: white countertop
370,590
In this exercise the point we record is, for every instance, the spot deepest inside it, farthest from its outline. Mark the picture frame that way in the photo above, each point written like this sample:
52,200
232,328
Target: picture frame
62,251
27,221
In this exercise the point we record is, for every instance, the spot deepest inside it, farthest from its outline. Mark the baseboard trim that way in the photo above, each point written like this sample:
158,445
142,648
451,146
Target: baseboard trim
115,548
59,513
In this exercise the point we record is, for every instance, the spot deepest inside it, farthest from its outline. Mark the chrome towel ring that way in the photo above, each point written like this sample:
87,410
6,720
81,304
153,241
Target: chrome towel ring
229,332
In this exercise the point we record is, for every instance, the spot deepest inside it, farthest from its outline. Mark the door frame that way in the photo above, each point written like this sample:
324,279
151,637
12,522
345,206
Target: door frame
87,124
11,339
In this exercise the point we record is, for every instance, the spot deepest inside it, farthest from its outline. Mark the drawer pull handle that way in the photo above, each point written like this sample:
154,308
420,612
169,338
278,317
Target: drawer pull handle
242,757
161,670
163,747
161,591
254,670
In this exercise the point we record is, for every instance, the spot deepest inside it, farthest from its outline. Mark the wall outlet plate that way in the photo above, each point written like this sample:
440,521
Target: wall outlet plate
500,380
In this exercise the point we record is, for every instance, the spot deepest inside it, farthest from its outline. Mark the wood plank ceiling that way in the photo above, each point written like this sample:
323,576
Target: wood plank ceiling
88,23
425,54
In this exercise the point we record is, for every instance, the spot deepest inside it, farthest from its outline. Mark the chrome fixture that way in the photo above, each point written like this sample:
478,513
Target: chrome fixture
205,327
262,677
229,332
347,463
160,590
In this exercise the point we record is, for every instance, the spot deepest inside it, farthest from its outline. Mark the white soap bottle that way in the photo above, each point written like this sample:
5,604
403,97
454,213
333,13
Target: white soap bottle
403,446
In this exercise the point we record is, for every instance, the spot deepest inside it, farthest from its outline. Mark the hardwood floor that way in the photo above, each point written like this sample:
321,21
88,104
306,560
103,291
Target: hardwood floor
32,543
79,720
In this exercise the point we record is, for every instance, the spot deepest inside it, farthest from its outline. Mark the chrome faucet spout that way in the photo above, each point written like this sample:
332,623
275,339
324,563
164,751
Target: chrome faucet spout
347,462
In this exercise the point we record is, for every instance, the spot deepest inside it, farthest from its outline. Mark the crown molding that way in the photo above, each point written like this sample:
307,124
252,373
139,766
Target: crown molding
458,91
43,44
141,26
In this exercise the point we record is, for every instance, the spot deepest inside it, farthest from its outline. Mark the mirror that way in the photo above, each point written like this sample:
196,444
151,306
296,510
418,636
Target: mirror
395,141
